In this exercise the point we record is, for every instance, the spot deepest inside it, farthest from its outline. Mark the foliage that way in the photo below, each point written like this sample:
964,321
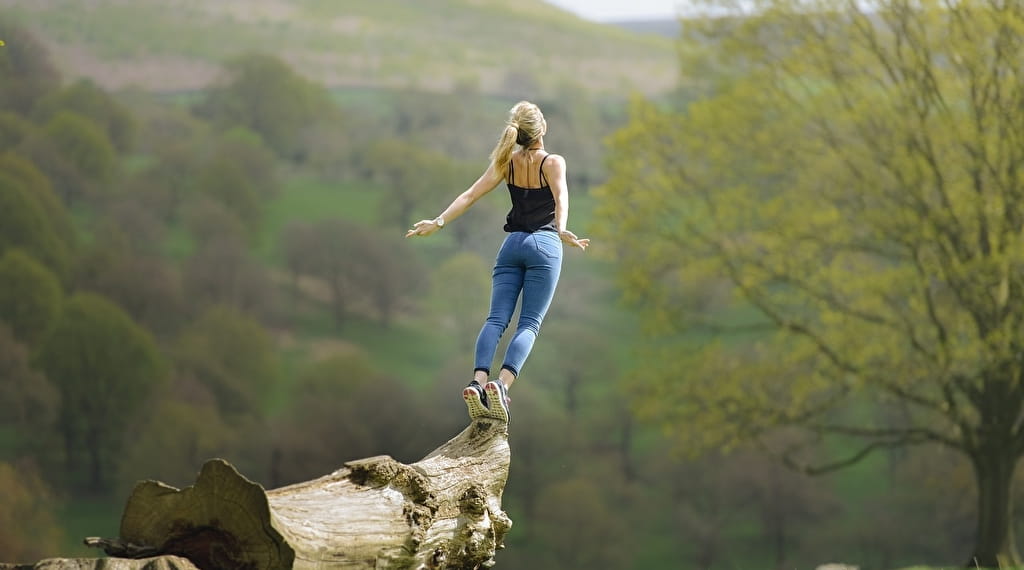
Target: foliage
262,93
30,401
30,296
459,296
26,68
359,267
87,99
27,514
75,153
233,357
14,129
24,223
41,191
105,367
855,190
344,407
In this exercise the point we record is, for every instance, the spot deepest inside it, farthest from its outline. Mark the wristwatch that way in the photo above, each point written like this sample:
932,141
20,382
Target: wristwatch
439,221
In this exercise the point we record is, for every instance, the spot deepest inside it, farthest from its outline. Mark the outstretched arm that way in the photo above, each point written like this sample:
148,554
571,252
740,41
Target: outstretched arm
487,181
554,171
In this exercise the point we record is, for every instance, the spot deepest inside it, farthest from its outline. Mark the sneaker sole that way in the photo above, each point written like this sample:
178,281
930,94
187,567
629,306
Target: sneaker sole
499,407
473,404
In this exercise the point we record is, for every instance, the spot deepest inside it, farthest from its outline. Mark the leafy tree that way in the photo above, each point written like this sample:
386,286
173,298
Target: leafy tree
30,402
24,223
343,408
87,99
105,367
234,357
262,93
84,144
414,178
14,129
461,309
390,273
361,267
40,189
853,181
28,514
176,439
26,68
580,528
30,296
223,272
126,270
240,176
75,153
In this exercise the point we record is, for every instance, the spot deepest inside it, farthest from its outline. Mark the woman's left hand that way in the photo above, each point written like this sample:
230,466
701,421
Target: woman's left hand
571,239
423,228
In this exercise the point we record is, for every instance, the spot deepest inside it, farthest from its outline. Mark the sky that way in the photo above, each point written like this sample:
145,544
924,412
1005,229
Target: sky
603,10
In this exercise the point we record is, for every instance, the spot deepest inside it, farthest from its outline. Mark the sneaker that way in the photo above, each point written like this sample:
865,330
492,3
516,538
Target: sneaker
497,394
476,400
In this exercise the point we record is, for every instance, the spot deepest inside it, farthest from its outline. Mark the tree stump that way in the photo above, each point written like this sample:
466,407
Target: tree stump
442,512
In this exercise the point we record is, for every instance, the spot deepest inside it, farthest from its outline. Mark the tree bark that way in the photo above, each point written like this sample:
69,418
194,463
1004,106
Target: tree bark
158,563
442,512
995,544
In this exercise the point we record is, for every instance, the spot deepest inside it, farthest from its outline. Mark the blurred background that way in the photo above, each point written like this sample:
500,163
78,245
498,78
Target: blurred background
202,210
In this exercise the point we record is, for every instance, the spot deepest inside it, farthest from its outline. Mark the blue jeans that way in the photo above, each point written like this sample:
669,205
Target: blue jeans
527,263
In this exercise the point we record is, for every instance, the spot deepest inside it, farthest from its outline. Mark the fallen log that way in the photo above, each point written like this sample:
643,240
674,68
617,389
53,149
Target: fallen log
442,512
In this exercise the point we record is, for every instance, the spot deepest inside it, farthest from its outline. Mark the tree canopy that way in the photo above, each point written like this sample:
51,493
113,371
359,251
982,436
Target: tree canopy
105,367
838,222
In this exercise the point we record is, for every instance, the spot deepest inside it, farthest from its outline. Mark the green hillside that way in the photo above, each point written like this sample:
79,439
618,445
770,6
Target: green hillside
495,46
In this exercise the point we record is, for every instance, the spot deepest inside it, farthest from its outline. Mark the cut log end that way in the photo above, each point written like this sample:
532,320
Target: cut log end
442,512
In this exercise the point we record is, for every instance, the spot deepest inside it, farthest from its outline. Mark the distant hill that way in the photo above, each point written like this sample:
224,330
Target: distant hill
500,46
668,28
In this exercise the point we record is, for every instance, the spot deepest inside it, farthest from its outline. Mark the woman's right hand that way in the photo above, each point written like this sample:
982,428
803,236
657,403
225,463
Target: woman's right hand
571,239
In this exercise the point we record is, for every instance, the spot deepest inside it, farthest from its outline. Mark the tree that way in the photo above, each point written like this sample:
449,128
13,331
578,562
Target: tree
28,511
261,93
87,99
234,357
26,68
222,271
24,223
30,296
335,412
14,129
853,181
30,402
105,367
461,310
75,154
414,177
41,191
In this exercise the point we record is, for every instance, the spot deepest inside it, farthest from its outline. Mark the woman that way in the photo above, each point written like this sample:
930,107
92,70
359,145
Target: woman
529,260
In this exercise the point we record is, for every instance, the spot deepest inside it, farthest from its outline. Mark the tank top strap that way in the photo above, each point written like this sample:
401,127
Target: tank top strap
511,171
543,178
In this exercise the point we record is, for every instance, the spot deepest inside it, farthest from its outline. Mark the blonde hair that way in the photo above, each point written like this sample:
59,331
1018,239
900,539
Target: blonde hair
525,125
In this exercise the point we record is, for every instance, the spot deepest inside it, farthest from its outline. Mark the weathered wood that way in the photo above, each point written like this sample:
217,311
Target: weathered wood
158,563
442,512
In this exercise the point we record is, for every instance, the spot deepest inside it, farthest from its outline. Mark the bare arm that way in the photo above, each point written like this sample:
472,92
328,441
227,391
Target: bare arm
554,172
487,181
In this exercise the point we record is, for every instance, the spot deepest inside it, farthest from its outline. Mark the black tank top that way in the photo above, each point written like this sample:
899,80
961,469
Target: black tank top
533,209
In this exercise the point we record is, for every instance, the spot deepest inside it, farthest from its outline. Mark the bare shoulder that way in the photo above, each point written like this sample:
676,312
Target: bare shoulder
554,163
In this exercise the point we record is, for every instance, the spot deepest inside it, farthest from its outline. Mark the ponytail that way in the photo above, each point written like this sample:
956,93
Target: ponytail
525,124
502,153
